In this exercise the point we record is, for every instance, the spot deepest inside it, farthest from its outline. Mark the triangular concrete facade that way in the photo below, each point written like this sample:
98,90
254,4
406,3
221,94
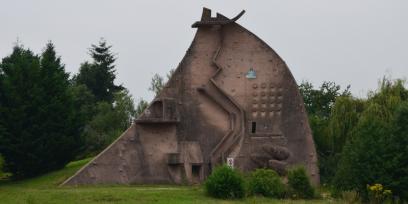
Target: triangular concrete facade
231,99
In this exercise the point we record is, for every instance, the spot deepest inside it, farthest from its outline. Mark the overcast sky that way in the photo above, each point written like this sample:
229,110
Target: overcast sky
348,41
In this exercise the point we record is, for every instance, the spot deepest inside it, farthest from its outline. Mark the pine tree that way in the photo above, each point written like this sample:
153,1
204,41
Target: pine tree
60,126
99,76
20,95
37,113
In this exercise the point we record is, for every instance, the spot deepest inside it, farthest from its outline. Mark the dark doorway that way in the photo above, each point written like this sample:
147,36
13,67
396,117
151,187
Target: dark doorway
195,173
253,127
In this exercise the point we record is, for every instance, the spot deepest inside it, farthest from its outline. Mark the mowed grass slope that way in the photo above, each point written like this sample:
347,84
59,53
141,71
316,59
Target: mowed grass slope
45,189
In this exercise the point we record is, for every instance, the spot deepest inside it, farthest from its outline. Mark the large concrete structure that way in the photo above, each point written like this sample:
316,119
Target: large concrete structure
232,99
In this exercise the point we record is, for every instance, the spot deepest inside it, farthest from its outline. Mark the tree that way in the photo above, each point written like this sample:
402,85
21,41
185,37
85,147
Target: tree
109,122
320,104
1,166
99,76
38,116
141,106
19,95
320,101
84,101
157,83
337,129
377,150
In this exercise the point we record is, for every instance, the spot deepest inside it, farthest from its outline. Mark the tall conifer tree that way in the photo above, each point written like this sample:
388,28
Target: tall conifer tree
99,76
37,114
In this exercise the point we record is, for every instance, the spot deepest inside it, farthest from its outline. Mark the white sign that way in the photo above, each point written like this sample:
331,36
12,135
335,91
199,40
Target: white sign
230,162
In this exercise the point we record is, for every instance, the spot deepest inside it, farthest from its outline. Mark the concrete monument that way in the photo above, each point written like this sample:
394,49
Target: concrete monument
231,100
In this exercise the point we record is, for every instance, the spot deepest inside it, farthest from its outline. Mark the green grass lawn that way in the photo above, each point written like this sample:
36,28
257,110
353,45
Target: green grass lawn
45,189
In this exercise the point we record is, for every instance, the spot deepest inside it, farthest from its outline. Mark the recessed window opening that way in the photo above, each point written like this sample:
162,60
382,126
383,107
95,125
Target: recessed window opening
195,171
253,128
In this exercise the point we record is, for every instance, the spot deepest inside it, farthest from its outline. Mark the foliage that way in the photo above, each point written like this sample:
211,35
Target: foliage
107,108
1,166
320,101
350,197
299,183
84,101
327,106
376,152
266,182
45,189
377,194
343,118
109,122
225,182
140,107
156,84
99,76
39,125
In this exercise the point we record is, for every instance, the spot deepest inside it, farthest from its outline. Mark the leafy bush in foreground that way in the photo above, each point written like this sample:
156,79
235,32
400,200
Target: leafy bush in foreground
266,182
225,182
299,183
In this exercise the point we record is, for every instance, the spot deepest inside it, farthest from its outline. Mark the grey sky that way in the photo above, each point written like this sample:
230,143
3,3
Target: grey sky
348,41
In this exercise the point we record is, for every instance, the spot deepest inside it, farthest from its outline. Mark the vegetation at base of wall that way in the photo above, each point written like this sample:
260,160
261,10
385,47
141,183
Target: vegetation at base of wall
226,183
266,182
109,122
46,189
299,185
320,103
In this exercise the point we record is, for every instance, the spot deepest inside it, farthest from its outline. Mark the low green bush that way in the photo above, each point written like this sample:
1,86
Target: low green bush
1,165
226,183
299,183
266,182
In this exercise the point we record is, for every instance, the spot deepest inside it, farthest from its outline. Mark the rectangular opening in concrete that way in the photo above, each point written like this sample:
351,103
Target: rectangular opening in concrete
253,127
195,173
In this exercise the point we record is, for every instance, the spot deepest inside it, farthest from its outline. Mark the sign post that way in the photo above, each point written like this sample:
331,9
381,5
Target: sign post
230,162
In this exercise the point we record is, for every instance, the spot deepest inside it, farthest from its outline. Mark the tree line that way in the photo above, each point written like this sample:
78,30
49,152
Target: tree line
361,142
49,117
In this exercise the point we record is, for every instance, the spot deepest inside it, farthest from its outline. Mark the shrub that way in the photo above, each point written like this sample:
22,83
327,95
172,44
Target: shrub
1,165
266,182
299,183
225,182
378,194
350,197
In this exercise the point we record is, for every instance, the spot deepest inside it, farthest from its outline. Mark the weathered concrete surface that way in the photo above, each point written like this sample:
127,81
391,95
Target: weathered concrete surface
231,96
